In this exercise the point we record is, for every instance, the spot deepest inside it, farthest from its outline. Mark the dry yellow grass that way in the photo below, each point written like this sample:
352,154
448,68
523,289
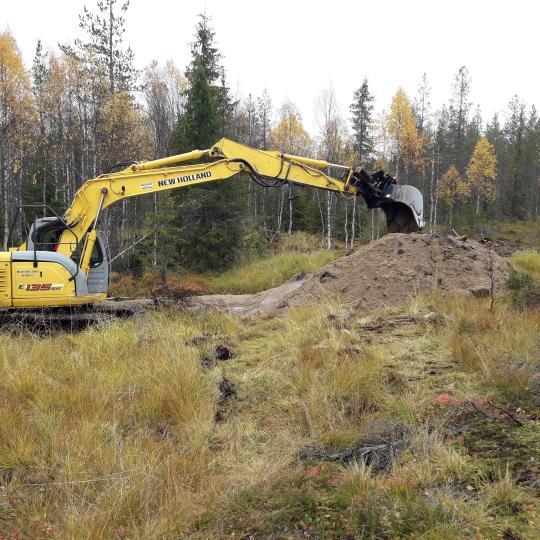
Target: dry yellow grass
527,261
112,433
502,343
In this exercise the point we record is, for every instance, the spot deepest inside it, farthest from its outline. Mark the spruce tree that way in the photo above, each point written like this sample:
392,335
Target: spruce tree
515,135
206,219
362,110
495,135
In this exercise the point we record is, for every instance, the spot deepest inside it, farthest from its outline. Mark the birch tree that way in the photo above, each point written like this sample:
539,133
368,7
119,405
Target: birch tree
452,189
482,173
289,136
16,116
407,142
332,138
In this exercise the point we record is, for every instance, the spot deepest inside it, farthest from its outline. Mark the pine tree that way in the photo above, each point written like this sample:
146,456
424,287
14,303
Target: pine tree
264,112
422,105
459,116
362,119
102,47
39,91
532,164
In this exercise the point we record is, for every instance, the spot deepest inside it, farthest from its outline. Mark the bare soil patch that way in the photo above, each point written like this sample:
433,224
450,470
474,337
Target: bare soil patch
385,273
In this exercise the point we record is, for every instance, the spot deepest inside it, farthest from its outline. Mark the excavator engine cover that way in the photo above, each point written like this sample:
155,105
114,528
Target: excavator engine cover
402,205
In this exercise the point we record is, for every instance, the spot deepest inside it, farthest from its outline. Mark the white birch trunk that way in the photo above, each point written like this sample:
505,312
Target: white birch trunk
280,210
328,220
346,224
353,220
290,211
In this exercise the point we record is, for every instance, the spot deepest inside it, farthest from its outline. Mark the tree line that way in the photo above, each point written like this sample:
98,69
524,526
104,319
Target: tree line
84,109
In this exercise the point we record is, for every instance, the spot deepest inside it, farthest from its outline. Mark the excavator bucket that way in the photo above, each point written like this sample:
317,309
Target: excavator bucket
402,205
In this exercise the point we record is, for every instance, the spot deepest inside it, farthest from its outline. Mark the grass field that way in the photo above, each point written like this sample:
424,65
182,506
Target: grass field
135,430
289,256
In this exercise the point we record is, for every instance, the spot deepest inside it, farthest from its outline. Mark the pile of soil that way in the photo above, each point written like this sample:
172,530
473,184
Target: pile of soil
387,272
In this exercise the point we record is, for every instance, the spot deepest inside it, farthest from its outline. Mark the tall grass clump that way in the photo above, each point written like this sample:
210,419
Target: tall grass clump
524,279
100,429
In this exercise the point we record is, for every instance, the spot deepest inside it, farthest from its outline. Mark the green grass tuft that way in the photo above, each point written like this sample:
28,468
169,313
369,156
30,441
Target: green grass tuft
527,261
269,272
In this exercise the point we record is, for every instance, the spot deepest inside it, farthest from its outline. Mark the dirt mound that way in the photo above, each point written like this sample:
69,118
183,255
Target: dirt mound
387,272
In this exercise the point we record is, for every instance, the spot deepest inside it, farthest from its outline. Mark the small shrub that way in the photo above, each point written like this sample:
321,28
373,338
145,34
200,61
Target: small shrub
524,291
135,265
182,286
152,284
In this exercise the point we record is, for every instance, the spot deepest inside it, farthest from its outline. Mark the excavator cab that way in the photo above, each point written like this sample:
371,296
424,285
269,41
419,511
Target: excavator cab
44,236
39,274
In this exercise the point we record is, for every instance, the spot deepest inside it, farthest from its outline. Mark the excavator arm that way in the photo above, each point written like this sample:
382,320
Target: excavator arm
402,204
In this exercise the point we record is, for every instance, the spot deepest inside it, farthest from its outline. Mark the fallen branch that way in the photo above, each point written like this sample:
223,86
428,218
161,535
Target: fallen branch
384,324
380,456
458,236
496,407
507,412
479,410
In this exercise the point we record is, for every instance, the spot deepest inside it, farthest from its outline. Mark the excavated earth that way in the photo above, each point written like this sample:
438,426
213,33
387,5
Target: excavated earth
384,273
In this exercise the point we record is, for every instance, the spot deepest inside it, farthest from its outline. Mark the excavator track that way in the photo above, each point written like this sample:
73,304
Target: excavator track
48,321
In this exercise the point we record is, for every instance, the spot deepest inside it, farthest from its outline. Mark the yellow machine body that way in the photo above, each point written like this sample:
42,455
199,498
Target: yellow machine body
65,277
23,285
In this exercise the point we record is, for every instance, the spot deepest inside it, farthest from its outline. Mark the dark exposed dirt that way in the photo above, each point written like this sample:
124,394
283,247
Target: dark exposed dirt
221,354
385,273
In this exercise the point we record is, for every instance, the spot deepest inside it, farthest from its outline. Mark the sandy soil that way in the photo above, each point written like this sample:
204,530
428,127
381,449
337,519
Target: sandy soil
384,273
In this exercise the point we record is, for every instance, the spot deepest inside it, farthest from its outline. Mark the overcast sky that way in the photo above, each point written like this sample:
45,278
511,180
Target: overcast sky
296,48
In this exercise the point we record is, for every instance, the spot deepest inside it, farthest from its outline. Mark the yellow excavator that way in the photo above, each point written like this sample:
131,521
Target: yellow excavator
64,261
